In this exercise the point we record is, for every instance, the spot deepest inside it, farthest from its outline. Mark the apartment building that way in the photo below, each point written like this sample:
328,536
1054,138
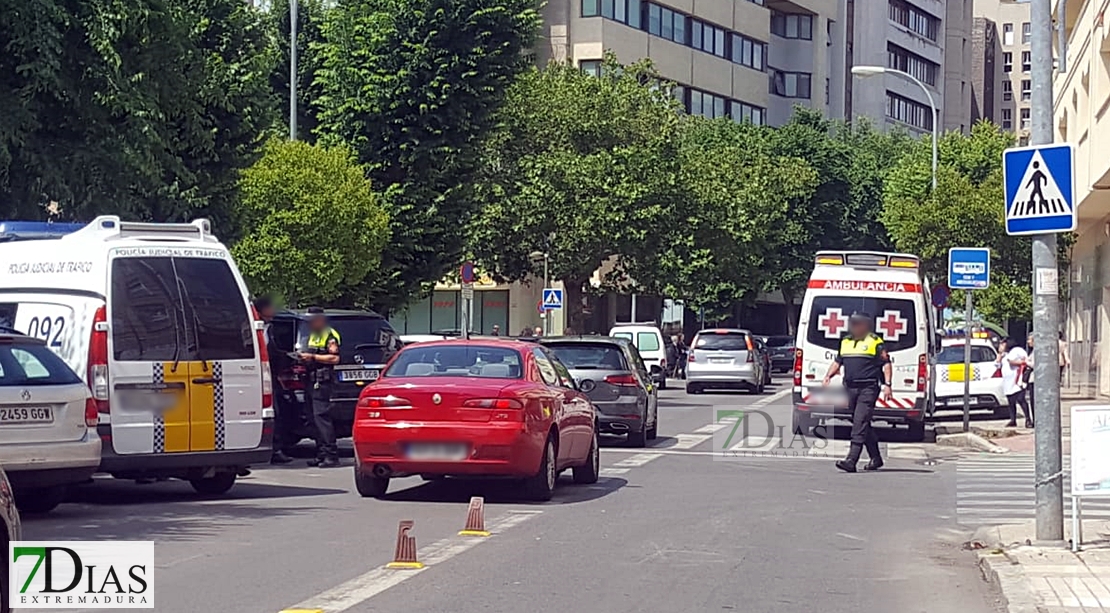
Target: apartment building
913,40
750,60
1081,95
1001,86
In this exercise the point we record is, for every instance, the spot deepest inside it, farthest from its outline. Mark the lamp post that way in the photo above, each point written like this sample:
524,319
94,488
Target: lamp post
292,69
870,71
537,256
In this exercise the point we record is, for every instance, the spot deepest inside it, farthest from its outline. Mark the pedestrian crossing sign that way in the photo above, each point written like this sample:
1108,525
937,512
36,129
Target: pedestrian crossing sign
552,298
1040,189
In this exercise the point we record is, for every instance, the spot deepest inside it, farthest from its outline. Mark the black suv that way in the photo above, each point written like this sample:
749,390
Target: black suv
368,342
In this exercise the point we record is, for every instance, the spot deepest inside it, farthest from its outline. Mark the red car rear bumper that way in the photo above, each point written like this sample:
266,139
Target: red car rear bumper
494,449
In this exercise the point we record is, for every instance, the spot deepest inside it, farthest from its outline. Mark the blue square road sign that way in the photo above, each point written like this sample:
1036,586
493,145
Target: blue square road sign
552,298
1039,184
969,268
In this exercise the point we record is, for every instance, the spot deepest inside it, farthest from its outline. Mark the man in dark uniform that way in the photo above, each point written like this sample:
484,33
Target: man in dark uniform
320,358
285,421
867,373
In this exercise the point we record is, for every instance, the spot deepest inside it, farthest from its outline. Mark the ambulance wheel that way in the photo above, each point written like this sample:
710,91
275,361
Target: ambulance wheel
215,485
917,431
803,423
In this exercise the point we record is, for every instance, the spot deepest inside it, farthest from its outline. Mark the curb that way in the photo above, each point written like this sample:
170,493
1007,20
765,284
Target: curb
1010,582
969,440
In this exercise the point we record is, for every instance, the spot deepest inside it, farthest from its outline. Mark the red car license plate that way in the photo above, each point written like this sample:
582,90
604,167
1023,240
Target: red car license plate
437,452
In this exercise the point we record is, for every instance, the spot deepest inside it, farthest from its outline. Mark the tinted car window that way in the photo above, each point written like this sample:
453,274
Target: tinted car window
27,365
456,361
371,337
780,341
729,341
187,309
600,356
895,320
955,355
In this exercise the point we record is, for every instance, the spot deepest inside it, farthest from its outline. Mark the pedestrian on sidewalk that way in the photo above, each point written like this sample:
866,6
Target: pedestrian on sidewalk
1065,359
867,373
1027,381
1012,358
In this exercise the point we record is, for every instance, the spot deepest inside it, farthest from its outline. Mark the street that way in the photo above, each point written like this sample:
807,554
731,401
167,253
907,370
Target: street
673,527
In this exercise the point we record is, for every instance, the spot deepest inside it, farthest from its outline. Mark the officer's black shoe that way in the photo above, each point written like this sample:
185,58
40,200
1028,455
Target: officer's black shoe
329,463
846,466
280,458
875,464
316,462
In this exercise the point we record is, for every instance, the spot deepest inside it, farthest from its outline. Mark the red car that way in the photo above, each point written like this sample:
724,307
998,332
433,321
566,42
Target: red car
474,408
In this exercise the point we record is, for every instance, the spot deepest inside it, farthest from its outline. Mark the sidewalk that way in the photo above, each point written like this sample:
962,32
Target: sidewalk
1019,440
1046,579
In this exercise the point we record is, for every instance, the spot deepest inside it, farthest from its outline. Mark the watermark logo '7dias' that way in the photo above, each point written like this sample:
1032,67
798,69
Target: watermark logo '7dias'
753,433
81,575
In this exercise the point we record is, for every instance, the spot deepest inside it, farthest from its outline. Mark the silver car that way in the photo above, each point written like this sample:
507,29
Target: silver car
612,374
724,358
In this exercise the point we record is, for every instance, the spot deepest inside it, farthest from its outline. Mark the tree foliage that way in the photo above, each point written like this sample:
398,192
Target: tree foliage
144,108
584,169
412,86
314,223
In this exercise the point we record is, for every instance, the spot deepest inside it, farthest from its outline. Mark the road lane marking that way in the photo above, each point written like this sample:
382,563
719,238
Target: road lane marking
364,587
638,460
613,472
711,428
689,441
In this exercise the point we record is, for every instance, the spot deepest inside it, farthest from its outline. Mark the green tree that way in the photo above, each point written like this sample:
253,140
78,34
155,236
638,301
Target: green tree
965,211
314,223
584,169
412,86
145,108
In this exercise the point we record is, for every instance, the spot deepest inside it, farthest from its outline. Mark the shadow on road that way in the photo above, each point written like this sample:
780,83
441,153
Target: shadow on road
503,491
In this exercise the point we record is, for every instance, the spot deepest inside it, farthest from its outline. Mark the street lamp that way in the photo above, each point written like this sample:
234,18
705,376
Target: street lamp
870,71
537,256
292,69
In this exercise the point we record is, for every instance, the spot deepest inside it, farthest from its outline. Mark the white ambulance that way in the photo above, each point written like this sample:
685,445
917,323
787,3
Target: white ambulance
156,318
890,288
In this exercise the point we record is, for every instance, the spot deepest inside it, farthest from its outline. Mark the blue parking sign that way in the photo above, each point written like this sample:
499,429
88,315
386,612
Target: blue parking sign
969,268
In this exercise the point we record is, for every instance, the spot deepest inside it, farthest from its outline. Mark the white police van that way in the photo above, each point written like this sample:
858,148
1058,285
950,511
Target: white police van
156,318
891,288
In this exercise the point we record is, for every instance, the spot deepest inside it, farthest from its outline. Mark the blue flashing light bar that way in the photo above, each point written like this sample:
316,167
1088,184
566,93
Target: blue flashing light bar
30,230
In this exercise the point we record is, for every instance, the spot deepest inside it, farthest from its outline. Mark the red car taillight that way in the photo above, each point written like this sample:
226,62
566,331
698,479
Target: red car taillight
798,367
383,402
92,415
264,359
690,358
622,380
98,361
922,372
493,403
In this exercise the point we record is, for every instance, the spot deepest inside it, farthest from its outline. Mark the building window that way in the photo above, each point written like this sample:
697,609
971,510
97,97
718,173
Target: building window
1007,62
791,25
590,8
1007,34
908,111
1026,61
1026,89
1024,119
628,12
909,62
698,102
1007,119
917,20
590,67
790,84
748,52
1007,91
742,111
707,104
708,38
1025,31
828,33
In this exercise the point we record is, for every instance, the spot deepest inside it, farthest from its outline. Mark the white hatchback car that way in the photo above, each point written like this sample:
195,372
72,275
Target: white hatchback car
986,377
48,438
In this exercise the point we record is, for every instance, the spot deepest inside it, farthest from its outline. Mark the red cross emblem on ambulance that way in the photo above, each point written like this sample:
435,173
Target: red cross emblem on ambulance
892,326
832,322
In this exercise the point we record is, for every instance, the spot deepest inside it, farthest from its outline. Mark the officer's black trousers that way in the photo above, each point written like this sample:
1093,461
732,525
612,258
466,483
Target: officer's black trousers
861,402
322,412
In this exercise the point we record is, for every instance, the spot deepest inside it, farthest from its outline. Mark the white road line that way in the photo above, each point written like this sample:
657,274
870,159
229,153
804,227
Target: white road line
613,472
769,399
710,428
689,441
364,587
638,460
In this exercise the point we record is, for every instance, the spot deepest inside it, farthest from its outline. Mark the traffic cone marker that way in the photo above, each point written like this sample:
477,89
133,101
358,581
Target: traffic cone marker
475,518
405,554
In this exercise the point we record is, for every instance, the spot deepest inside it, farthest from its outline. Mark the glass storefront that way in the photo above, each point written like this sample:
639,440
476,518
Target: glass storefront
443,311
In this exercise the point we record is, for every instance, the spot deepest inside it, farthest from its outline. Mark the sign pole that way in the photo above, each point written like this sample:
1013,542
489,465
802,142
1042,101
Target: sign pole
967,360
1049,485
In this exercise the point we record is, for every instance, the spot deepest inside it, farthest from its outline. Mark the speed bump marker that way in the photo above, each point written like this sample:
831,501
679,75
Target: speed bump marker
405,554
475,518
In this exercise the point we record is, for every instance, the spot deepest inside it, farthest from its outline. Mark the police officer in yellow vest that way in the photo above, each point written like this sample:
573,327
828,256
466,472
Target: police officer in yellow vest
867,373
320,358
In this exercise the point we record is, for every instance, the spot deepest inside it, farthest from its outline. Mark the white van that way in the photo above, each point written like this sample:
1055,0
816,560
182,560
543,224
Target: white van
890,288
156,319
655,348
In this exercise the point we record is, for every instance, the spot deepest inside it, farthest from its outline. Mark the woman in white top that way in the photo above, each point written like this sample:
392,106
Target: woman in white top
1012,358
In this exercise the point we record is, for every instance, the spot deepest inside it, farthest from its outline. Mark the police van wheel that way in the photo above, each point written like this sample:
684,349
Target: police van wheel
370,486
803,423
917,431
215,485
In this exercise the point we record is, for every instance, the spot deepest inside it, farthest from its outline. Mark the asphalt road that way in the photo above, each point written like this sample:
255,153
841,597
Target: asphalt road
684,526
